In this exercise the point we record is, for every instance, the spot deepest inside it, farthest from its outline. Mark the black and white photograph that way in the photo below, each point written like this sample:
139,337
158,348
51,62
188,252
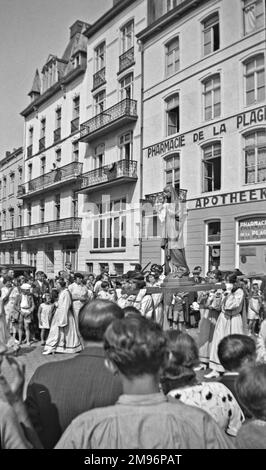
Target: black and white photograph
133,229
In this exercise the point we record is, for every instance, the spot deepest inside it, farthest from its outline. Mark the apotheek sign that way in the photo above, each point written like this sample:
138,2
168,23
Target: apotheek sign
237,197
252,229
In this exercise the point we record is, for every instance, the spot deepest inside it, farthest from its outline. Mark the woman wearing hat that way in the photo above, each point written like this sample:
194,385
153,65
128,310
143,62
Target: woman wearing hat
231,320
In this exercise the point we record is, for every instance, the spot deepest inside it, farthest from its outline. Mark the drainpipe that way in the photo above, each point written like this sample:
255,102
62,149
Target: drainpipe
141,148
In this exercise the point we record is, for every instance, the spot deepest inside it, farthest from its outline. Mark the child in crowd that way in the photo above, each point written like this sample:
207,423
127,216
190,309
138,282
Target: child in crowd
105,292
45,314
26,307
176,312
254,308
250,387
261,341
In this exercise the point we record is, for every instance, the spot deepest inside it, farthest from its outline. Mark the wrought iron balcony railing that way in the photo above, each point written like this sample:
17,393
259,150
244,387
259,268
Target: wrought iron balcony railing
57,134
125,109
126,59
99,78
41,144
57,177
61,226
153,198
29,151
121,170
75,124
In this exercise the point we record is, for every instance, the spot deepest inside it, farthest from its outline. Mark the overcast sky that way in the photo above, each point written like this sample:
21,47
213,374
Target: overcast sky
30,30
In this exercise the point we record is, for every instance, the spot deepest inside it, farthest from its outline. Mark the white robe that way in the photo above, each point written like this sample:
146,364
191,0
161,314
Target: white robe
63,336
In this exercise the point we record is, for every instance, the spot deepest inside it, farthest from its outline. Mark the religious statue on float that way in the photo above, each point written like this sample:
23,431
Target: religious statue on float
171,209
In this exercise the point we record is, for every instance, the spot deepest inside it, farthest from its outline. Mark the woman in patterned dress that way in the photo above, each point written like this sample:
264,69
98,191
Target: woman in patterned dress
179,381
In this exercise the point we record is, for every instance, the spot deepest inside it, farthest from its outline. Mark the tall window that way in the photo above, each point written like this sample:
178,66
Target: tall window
11,256
211,34
99,102
43,165
100,57
19,256
110,225
127,36
43,128
70,253
57,204
99,156
172,170
42,210
213,243
255,156
4,220
58,118
254,15
74,204
30,135
75,151
172,115
19,216
12,183
76,102
255,80
20,175
212,97
172,57
29,213
212,167
119,269
30,171
11,218
126,146
58,155
4,186
126,87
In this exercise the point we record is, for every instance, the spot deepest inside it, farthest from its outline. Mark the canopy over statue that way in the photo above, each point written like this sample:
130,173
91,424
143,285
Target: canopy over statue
171,209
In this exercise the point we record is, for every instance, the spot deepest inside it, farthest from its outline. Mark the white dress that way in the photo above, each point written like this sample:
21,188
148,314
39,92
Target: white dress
229,322
63,336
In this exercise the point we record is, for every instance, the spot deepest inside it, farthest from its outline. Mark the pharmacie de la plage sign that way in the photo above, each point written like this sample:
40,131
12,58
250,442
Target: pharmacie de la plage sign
240,121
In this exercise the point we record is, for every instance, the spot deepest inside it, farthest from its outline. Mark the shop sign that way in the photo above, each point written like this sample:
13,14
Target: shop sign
230,198
252,229
8,234
242,120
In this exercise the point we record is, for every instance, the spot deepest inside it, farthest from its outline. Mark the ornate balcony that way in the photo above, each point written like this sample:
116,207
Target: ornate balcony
99,78
41,144
118,115
58,177
61,227
75,124
126,60
123,171
57,134
29,151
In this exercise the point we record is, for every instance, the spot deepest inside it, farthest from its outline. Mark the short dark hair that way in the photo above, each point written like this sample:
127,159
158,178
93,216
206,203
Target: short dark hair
136,346
78,275
250,388
131,312
184,355
61,281
234,349
95,317
104,284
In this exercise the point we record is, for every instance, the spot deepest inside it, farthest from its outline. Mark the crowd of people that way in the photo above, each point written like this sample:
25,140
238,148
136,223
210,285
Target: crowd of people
136,382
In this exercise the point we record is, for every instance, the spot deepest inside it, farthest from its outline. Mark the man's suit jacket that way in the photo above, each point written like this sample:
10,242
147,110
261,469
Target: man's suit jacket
60,391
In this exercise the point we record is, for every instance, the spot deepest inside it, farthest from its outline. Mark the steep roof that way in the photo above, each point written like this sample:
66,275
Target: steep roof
36,86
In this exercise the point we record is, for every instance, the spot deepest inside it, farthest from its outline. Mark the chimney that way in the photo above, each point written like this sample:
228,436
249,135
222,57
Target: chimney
76,28
7,154
115,2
